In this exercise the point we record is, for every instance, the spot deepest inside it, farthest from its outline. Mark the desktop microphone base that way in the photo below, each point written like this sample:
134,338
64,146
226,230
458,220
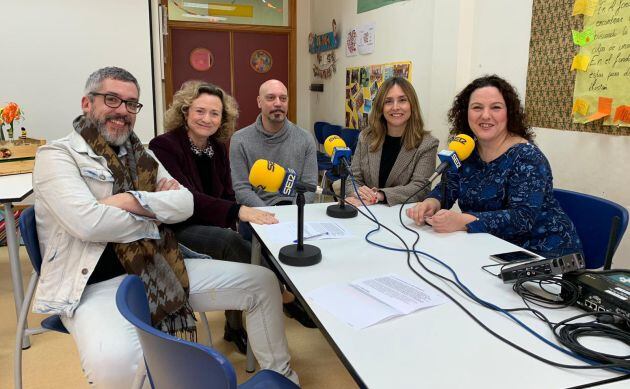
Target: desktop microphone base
341,212
309,256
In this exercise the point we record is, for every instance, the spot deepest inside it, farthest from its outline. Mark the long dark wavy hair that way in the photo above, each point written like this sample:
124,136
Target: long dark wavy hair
458,114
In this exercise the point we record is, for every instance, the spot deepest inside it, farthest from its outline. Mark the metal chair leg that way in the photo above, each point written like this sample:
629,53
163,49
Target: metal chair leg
141,375
251,360
20,329
323,185
206,326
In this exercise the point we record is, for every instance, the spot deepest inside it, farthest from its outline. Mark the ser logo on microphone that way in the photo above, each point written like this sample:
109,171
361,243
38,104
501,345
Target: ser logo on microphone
271,166
460,139
289,182
456,161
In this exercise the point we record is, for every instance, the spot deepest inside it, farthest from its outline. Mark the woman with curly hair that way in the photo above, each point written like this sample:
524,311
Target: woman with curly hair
198,125
505,187
395,156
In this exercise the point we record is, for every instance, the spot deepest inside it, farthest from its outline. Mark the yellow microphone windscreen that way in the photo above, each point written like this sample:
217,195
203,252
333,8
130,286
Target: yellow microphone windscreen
266,175
463,145
331,142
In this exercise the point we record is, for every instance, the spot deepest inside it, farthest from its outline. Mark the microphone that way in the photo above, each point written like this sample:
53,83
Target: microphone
271,177
459,149
338,152
336,149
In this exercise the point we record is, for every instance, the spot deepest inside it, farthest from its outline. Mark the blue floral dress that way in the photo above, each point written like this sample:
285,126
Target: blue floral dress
512,198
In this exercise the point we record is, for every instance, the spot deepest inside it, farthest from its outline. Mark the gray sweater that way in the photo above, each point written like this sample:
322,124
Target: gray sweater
291,147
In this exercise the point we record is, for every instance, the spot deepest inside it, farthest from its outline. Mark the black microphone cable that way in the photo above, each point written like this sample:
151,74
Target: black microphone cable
623,367
566,332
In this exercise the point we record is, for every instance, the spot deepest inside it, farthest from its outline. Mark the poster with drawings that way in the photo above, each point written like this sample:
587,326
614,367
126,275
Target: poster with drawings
362,84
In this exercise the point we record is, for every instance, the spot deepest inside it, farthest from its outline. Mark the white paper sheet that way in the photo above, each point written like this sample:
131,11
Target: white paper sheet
287,232
366,33
369,301
349,305
403,294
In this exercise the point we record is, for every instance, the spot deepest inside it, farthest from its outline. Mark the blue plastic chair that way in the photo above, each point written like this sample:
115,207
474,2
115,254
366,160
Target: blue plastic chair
319,136
350,136
28,231
319,131
323,161
331,129
322,131
175,363
600,224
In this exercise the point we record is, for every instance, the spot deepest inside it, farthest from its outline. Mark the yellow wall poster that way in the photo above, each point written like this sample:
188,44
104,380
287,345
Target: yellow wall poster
362,83
603,85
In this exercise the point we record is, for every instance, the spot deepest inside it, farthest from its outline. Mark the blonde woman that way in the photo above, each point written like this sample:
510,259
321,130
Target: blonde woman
198,125
395,156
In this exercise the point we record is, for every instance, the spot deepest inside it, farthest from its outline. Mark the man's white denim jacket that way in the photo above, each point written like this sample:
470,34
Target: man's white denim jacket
74,228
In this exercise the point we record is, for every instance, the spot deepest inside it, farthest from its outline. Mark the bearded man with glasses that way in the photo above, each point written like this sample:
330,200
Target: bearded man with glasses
103,205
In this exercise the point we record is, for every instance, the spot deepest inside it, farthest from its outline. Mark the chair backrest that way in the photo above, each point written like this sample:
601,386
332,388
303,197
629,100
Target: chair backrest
351,137
331,129
319,131
600,224
28,231
171,362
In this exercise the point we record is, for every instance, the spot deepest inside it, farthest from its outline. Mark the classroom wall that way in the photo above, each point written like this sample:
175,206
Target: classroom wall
396,26
303,95
49,48
450,42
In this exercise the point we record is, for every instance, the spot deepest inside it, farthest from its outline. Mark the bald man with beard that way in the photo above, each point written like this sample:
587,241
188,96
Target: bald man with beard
274,138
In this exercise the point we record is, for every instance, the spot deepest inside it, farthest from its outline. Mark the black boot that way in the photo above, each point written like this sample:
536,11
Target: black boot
234,331
295,311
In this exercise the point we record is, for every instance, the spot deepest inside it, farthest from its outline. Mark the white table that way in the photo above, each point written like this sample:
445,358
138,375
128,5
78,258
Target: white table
440,347
15,188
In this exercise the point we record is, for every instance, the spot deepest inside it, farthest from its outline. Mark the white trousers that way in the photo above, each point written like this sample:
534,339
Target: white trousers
109,347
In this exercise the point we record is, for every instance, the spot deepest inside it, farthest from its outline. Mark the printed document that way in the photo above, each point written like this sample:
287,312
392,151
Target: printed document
369,301
287,232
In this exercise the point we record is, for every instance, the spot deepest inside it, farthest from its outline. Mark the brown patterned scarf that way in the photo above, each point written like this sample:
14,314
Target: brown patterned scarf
158,263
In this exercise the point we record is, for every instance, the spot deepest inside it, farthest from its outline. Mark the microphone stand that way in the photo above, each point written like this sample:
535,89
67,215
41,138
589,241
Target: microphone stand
340,210
300,254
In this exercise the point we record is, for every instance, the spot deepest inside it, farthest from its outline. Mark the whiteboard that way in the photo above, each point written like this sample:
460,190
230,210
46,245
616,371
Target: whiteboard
49,48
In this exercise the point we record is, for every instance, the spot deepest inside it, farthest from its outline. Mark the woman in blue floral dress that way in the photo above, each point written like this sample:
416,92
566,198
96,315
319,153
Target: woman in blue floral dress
505,187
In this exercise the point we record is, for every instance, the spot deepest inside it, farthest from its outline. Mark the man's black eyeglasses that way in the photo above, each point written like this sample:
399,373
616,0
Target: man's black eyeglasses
113,101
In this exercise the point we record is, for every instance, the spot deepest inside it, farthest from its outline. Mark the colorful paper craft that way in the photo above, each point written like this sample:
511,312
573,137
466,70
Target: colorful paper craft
580,106
583,38
604,108
580,62
584,7
622,113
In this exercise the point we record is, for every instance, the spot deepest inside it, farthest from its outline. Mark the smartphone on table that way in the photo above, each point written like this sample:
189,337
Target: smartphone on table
513,256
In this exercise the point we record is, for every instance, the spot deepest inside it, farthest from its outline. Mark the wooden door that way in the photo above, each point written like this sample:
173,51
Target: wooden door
258,57
186,45
232,46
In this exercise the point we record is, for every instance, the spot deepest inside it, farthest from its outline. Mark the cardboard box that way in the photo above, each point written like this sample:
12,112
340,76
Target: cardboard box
18,156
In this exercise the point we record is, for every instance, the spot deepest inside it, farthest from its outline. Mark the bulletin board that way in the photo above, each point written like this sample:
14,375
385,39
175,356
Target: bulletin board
551,83
362,83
